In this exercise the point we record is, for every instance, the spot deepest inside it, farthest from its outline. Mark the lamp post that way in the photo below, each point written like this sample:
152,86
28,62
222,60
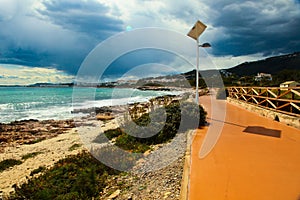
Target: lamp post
194,33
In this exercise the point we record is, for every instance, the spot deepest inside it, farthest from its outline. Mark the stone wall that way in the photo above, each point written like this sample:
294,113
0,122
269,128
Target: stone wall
284,118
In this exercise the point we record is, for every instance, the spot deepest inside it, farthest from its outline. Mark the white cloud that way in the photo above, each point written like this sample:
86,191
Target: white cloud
178,16
8,11
140,14
23,75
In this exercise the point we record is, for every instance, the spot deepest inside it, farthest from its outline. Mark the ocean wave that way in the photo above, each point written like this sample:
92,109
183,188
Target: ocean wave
111,102
51,112
62,108
20,106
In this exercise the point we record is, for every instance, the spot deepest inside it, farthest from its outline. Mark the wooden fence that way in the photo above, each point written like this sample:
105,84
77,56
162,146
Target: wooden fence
285,100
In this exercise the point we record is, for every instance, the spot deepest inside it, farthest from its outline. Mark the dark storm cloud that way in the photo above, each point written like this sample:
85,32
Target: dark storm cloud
88,17
269,27
137,58
59,35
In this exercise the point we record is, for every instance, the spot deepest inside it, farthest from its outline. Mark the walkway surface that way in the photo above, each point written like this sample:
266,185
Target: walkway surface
255,158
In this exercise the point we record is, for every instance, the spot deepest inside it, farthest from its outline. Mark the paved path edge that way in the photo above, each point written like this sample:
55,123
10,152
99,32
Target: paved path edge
184,190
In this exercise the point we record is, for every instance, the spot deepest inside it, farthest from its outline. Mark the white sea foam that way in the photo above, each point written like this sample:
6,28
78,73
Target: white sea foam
61,106
111,102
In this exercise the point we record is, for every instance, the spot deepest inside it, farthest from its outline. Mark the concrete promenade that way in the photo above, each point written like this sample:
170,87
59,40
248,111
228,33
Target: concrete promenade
255,158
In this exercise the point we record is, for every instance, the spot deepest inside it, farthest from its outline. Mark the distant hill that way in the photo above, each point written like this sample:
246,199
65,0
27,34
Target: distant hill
272,65
282,68
51,85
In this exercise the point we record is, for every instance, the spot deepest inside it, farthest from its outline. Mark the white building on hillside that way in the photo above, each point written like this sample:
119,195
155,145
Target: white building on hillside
263,76
290,84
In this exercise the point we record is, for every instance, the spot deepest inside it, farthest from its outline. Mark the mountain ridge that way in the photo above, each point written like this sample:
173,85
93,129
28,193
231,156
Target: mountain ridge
271,65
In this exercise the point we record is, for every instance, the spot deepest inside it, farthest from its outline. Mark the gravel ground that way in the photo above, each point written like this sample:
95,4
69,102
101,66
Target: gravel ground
158,176
162,184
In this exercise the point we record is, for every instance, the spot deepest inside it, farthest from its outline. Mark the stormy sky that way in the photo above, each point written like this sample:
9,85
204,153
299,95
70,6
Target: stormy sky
59,34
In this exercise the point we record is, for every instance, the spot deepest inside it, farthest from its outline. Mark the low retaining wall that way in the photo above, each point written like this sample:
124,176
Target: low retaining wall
284,118
184,190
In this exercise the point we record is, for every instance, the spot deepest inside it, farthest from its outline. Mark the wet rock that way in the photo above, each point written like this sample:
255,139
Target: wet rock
104,117
103,109
31,131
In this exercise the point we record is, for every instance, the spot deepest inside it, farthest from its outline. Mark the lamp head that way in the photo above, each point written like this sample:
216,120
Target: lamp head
205,45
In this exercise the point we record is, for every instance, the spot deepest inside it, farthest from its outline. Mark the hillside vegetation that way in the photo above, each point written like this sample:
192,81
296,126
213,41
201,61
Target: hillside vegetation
272,65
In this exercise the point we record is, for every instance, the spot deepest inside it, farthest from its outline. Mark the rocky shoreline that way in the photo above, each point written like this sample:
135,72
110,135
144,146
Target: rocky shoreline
31,131
156,176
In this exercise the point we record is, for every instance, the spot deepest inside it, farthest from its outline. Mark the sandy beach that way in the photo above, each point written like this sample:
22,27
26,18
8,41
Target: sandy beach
50,151
64,141
47,153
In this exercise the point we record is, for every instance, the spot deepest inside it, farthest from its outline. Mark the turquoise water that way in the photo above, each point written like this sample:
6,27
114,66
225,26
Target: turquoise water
19,103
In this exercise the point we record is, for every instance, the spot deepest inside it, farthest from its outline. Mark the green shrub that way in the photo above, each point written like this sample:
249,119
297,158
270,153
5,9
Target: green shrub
38,170
180,117
30,155
5,164
128,142
203,114
80,176
144,120
74,146
222,93
110,134
68,196
116,157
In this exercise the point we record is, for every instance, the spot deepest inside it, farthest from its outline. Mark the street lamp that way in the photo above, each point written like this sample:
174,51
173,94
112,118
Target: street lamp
194,33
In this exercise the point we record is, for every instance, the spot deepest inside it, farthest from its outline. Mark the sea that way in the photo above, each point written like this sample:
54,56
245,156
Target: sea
44,103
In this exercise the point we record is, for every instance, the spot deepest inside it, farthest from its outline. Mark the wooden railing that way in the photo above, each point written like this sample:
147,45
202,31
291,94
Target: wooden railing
285,100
